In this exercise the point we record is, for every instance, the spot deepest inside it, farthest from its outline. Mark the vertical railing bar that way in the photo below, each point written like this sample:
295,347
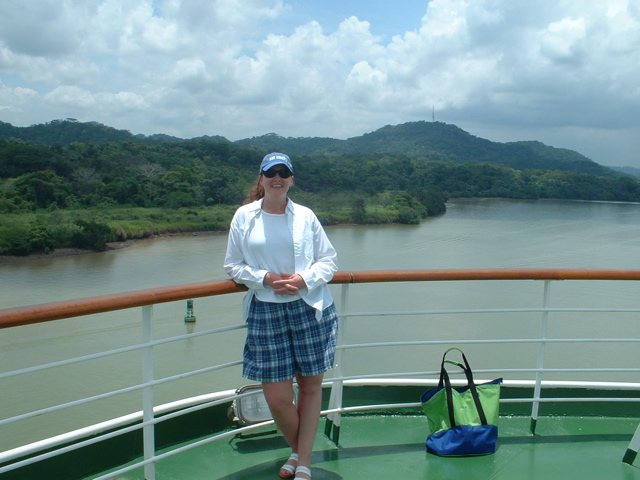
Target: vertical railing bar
335,399
148,431
633,448
541,353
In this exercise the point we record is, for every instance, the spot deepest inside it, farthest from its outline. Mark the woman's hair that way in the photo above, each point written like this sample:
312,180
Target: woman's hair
256,192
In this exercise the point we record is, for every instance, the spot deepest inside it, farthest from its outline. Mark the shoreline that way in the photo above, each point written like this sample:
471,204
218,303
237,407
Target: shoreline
69,252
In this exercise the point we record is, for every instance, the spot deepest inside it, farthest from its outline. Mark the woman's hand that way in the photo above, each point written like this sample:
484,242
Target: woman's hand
284,283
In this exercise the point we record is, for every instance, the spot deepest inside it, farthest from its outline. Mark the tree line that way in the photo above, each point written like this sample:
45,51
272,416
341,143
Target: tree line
79,194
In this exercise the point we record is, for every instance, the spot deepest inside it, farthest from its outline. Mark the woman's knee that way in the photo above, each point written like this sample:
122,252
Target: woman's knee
309,385
279,395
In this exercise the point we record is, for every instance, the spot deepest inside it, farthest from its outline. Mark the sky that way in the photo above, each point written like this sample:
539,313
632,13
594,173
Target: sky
563,72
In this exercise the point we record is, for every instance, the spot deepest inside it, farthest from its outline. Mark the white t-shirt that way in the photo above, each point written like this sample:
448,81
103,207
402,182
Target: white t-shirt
272,245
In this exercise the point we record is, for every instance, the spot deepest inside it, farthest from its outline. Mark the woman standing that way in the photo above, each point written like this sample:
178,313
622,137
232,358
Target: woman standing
281,252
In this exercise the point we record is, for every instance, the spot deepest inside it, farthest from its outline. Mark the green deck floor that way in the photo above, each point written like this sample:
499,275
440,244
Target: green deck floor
373,448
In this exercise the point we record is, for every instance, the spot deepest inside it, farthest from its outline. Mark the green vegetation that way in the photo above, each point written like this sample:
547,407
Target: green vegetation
86,194
92,228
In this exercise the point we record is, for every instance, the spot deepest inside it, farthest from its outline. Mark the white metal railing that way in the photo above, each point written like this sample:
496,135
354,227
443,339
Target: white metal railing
151,415
335,411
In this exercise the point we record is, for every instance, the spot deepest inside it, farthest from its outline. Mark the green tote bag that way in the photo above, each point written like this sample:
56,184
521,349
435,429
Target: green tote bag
462,420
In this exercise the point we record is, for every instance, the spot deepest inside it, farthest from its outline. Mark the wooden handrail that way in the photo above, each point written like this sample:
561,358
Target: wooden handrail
486,274
44,312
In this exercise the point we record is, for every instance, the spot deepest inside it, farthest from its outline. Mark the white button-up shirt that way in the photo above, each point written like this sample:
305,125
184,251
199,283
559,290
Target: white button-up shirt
315,257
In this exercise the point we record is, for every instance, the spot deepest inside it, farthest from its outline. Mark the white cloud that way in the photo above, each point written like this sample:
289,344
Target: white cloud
129,100
563,41
70,96
15,96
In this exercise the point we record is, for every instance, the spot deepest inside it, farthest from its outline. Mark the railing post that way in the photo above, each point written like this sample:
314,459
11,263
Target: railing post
335,400
634,445
148,431
541,352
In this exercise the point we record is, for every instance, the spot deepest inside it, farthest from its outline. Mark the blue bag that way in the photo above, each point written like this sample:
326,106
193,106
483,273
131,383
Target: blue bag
462,420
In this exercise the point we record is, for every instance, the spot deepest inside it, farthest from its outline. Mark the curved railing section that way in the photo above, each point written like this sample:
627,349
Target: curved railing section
149,416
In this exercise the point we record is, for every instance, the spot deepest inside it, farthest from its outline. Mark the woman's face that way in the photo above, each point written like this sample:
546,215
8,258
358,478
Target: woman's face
276,185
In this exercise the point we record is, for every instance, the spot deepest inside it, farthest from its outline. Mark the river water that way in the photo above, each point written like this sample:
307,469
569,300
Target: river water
487,233
472,234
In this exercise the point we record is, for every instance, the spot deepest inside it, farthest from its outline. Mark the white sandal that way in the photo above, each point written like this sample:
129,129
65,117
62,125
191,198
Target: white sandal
287,467
304,470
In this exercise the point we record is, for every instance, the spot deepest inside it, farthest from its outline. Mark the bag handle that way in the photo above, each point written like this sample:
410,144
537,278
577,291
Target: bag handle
446,382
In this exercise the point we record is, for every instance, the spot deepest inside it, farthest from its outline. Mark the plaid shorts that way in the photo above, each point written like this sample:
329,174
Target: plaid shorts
286,338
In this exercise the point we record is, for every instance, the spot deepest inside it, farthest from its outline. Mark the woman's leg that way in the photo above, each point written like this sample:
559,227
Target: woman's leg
298,425
309,405
279,396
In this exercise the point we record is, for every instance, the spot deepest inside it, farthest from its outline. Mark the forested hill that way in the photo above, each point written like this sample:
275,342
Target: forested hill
437,141
68,131
432,141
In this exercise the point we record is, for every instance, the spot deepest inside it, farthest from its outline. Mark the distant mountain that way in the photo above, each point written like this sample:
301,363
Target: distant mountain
437,141
64,132
434,141
634,172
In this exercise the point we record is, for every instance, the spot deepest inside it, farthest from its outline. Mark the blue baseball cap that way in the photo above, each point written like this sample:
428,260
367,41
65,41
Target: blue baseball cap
275,159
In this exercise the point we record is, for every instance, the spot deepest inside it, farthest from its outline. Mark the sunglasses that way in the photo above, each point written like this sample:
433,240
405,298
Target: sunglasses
284,173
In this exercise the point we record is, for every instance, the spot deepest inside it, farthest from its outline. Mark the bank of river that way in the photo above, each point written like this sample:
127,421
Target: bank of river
69,252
